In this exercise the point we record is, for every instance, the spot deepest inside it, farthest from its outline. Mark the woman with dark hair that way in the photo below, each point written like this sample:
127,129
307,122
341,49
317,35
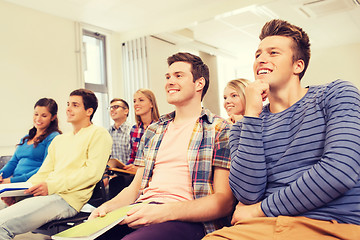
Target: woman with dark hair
32,149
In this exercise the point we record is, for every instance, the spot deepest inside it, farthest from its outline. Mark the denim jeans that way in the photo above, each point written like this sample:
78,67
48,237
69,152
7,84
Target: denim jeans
31,213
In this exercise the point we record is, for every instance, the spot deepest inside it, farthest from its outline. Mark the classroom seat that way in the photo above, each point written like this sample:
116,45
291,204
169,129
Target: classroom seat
119,179
98,197
4,160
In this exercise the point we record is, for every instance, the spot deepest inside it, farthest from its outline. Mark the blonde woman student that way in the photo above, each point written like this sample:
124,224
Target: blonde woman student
234,99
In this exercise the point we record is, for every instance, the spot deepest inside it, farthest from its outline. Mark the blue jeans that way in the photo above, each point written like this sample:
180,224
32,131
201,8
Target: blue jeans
31,213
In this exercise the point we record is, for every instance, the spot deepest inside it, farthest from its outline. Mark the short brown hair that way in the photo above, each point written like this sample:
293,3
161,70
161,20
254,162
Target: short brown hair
198,67
89,99
121,100
277,27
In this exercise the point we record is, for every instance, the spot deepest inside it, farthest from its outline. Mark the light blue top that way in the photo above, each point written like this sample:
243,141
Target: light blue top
303,161
27,160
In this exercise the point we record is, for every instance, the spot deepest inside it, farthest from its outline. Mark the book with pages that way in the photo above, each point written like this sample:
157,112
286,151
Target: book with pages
93,228
14,189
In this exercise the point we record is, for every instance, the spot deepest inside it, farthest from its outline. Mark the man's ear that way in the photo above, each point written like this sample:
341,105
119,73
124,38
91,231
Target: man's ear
126,111
299,66
200,83
89,111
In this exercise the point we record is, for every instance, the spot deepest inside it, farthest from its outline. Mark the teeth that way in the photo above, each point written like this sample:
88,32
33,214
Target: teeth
263,71
172,91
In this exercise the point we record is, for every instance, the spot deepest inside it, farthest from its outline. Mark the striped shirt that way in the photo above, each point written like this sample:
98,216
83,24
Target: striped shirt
304,161
121,142
208,148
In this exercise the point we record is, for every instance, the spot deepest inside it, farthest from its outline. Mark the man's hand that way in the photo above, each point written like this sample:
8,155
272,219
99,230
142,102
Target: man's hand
8,200
40,189
255,93
246,211
146,214
98,212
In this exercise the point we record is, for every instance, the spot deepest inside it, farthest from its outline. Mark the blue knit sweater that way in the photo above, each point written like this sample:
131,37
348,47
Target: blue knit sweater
27,160
304,161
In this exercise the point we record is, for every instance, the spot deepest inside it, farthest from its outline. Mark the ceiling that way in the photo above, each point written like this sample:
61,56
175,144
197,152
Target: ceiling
226,27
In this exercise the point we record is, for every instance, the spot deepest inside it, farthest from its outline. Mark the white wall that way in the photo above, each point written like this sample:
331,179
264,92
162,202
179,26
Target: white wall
115,77
39,57
158,52
212,100
37,60
329,64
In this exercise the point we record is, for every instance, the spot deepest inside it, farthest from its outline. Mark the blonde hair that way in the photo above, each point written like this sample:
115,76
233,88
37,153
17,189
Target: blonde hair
154,110
239,85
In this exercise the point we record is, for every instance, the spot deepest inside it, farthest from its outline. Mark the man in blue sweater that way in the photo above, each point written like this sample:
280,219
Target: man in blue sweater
296,161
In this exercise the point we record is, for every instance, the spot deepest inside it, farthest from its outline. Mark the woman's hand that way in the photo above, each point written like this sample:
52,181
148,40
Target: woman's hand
5,180
130,167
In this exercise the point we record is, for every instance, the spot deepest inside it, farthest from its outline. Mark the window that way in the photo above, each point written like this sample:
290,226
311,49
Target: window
95,74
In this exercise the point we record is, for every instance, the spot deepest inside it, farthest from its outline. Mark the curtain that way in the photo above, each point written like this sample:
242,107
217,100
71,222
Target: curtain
135,70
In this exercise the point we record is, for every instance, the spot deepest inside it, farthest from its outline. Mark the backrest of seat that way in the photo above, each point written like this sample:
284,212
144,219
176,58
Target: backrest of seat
4,160
99,195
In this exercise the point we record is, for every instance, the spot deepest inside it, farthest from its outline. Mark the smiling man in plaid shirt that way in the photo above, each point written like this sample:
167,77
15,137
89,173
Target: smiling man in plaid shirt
183,162
120,130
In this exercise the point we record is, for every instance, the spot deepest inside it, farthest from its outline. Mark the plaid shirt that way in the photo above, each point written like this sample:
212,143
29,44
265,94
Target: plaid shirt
121,142
208,148
136,132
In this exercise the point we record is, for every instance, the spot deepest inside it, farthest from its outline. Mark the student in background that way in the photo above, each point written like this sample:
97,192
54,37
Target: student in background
120,131
32,149
234,99
146,112
183,165
295,163
64,183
